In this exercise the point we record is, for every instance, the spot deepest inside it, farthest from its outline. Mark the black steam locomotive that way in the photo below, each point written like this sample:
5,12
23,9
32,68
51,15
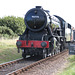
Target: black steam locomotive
44,35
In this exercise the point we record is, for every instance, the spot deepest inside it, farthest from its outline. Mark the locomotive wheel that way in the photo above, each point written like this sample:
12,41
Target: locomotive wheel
55,52
61,48
52,53
23,55
44,54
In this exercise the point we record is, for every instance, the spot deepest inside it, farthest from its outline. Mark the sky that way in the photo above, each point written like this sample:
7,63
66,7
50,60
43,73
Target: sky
18,8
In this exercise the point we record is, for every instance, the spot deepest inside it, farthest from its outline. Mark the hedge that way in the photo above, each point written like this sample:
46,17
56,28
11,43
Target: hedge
12,24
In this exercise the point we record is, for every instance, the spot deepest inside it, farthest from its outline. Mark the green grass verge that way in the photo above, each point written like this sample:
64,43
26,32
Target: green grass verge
8,52
70,70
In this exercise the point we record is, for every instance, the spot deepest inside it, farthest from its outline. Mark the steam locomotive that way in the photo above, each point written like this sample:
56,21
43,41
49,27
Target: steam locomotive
44,35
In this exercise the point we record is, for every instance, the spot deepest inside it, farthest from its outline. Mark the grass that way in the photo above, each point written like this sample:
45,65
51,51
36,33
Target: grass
8,50
8,42
70,70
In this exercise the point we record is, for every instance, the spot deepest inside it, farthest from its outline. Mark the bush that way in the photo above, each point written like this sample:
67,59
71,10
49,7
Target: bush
11,25
6,30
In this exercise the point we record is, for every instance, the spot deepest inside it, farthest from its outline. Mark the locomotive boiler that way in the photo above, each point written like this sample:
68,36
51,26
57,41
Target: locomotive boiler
44,34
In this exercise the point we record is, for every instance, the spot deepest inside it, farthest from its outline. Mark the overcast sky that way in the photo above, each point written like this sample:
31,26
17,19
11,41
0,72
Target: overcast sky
63,8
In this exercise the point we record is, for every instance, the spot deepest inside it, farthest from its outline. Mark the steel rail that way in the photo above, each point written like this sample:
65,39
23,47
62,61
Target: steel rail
9,63
23,69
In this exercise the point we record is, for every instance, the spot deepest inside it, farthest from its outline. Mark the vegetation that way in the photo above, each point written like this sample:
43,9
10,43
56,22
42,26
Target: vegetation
70,70
8,50
11,26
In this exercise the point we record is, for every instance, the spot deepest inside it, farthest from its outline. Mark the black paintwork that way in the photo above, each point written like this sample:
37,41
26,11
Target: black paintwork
35,19
37,28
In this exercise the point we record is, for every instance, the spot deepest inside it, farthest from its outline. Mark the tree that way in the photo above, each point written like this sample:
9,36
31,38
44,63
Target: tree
11,24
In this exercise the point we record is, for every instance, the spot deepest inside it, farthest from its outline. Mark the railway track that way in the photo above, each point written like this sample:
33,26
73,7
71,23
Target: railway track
16,64
10,63
24,69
